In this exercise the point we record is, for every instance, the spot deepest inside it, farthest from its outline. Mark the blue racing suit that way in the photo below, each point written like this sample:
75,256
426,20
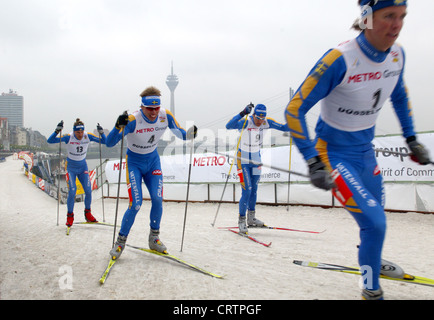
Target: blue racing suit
353,81
143,163
249,149
76,165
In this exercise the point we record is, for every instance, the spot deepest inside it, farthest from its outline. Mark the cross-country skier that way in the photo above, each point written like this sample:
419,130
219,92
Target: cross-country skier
77,143
143,130
352,81
252,134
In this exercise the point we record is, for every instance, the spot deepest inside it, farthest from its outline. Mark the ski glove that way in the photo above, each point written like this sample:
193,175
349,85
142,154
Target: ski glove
122,121
192,132
59,127
419,153
247,110
319,175
100,129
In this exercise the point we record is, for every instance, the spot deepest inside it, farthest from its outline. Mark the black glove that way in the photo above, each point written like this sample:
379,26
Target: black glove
122,120
192,132
319,175
100,129
247,110
59,127
419,153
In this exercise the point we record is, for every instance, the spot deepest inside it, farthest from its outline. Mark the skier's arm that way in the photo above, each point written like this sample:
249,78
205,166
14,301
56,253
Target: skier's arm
276,125
54,139
402,106
124,123
238,121
174,126
322,79
95,138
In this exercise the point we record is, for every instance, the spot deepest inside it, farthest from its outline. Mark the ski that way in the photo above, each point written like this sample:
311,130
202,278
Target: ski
178,260
352,270
276,228
68,229
106,273
98,223
249,237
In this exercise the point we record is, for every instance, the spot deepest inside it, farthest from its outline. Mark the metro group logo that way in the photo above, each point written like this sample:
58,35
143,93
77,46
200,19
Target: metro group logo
210,161
362,77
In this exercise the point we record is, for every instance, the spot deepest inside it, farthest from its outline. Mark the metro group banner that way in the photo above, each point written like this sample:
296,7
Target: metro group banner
214,168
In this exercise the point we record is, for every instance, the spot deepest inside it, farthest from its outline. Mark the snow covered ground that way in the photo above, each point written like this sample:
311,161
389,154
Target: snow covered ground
38,260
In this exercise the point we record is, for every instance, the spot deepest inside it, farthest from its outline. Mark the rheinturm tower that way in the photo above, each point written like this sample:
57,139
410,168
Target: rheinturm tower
172,82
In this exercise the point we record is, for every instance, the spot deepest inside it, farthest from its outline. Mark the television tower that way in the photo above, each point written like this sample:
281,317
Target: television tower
172,82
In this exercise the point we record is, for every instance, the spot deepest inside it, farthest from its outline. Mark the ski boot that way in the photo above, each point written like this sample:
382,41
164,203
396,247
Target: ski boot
242,226
252,221
88,216
372,294
118,248
69,219
155,242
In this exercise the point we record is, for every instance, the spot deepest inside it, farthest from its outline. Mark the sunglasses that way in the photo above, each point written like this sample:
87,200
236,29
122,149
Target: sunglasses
153,108
259,118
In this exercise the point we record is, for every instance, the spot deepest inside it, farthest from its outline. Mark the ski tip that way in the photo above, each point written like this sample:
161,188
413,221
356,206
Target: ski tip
408,277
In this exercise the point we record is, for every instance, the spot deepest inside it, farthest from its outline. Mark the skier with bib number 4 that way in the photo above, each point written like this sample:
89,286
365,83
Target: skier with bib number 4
143,129
77,144
352,81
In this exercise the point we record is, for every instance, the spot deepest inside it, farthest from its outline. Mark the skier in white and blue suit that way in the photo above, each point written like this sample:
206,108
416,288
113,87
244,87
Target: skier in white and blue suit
252,134
77,143
353,81
143,130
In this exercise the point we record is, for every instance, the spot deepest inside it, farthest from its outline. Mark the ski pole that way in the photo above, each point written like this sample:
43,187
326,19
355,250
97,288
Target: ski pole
393,152
188,190
119,181
102,181
230,169
397,153
244,160
289,174
58,175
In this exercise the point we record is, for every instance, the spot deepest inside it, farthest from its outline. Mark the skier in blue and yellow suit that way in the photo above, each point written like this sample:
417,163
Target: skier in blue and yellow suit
77,143
252,134
353,81
143,130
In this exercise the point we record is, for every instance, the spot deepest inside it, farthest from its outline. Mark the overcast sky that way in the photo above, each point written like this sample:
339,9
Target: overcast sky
91,59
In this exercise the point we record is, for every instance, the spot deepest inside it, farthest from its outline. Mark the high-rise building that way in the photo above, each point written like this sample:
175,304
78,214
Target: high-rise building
4,134
12,108
172,83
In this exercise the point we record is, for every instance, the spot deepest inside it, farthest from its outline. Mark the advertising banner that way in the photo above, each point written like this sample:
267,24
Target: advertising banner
391,153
